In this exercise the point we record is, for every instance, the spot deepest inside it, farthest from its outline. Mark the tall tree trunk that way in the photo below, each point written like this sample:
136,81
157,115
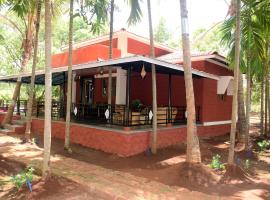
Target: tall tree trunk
248,102
266,100
48,93
193,146
8,117
32,84
26,56
262,108
235,83
153,139
241,110
69,84
110,57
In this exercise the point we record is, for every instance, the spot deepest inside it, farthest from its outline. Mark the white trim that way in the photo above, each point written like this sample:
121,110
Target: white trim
217,123
119,61
217,63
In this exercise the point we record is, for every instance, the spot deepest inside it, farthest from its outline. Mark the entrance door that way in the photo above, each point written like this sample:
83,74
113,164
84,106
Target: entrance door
89,90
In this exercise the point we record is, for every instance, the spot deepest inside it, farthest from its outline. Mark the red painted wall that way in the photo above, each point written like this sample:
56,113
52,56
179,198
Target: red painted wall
84,55
119,142
139,48
211,68
129,144
213,107
142,89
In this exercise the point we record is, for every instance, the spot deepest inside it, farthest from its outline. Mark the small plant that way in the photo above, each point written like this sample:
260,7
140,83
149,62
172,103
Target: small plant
24,177
263,145
136,105
216,163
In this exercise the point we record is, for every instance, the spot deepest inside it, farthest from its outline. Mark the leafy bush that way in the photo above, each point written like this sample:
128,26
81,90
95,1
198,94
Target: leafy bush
216,163
263,145
20,179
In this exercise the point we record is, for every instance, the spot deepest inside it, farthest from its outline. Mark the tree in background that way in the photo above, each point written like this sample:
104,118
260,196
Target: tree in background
193,154
161,33
236,5
48,94
32,84
25,10
69,83
153,140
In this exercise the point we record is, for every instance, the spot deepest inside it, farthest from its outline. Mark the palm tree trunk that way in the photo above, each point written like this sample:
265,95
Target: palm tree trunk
32,84
266,101
248,105
241,110
235,85
48,94
193,146
262,108
153,139
69,84
26,56
8,117
110,57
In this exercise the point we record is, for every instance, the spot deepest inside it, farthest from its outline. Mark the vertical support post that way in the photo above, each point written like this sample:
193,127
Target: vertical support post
170,99
127,117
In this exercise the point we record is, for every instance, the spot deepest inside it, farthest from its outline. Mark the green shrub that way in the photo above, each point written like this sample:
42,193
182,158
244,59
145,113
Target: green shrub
216,163
20,179
263,145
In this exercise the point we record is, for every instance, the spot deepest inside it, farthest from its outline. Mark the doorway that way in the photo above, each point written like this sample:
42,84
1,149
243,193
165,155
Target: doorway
88,90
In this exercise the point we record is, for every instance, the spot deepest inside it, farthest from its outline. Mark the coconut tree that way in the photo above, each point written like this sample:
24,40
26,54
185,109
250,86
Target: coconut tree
193,147
154,82
98,13
25,10
110,55
236,4
134,17
255,20
48,93
32,84
69,92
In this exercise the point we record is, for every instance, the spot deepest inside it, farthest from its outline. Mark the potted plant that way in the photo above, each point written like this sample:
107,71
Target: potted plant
136,107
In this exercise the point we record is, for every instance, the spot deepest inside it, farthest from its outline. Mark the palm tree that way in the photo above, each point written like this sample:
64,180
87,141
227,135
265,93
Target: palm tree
69,92
236,4
154,82
48,93
110,55
25,10
255,21
134,17
32,84
193,146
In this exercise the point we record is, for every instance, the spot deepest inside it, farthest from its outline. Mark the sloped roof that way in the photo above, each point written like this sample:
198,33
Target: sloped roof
177,56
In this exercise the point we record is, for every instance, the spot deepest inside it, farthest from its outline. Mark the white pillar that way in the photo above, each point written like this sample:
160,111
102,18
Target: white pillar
121,79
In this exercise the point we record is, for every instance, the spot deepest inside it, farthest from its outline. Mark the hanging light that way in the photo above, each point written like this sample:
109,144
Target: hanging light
143,72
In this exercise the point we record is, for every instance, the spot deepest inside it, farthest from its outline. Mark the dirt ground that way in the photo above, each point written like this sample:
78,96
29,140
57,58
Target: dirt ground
167,167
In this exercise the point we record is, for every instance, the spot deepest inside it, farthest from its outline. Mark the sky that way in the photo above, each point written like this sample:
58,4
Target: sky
202,13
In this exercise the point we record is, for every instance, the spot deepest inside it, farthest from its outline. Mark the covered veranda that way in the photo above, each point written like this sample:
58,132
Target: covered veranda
128,112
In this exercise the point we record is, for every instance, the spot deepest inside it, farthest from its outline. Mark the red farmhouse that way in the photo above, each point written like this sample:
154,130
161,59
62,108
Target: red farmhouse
124,127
